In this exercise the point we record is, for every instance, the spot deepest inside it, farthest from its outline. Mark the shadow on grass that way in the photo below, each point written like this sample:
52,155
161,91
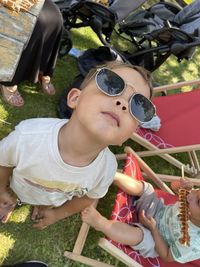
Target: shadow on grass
21,242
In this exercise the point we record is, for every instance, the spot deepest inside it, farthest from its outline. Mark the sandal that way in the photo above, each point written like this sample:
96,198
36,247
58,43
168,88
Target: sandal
46,85
12,96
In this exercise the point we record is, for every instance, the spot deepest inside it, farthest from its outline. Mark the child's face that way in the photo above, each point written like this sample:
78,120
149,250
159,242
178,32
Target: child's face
108,117
193,199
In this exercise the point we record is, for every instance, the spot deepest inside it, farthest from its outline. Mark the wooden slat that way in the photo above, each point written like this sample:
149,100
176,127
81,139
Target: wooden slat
85,260
82,235
152,148
172,178
175,86
171,150
149,172
118,253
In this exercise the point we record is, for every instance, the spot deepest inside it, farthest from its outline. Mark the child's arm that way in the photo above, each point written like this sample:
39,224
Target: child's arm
50,216
161,246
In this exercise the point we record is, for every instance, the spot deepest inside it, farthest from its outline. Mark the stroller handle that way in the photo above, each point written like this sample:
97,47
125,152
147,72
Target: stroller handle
123,8
176,48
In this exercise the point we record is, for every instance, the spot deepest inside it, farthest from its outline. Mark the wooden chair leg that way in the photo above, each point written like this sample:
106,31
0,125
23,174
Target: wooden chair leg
117,253
75,254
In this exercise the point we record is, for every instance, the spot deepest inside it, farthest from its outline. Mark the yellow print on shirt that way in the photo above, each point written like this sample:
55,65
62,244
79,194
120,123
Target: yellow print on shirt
58,186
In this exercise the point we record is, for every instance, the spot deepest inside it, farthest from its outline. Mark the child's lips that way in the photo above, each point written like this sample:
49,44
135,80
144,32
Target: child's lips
113,116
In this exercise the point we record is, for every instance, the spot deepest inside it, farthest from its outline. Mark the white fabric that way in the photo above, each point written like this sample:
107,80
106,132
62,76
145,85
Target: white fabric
169,227
154,124
147,246
40,176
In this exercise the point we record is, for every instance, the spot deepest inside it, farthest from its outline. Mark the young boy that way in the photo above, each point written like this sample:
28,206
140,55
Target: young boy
62,166
159,230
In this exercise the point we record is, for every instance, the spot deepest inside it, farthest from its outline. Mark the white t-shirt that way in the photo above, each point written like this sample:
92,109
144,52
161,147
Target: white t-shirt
40,176
170,228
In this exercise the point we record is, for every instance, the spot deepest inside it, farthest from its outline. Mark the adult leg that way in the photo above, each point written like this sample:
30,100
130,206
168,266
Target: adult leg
115,230
40,54
52,33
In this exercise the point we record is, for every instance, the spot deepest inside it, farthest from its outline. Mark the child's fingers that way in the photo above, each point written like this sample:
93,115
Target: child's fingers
6,203
35,213
38,212
142,216
7,199
6,217
83,212
145,218
151,219
186,183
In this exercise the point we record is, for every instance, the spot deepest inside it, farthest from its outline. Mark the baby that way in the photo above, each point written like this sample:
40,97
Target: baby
159,232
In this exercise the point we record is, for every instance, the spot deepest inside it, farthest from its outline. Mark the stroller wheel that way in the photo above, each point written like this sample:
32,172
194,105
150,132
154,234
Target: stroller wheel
28,264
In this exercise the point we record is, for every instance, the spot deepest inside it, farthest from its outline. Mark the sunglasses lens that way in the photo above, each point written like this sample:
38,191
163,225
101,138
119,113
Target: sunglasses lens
141,108
110,82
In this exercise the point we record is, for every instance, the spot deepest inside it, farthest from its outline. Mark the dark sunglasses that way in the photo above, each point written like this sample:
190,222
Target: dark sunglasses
111,84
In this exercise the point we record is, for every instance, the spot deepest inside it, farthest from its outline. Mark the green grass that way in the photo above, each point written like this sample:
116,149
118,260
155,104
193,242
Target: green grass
18,240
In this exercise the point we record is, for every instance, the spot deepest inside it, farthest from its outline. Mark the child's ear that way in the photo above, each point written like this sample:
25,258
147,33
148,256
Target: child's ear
72,97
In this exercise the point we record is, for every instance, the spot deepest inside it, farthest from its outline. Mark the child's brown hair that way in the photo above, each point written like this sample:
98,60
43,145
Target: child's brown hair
146,75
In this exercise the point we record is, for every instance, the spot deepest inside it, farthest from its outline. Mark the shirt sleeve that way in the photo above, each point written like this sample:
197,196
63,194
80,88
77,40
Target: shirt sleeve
102,186
8,149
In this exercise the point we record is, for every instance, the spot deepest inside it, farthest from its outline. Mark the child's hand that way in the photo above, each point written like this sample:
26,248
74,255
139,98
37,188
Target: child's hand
7,204
182,183
148,222
186,183
6,199
43,216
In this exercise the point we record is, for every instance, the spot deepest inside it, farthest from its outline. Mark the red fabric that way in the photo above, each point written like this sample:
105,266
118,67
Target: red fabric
179,120
123,211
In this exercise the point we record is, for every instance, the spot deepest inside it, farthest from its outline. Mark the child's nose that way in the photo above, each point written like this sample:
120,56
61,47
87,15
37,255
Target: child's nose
121,104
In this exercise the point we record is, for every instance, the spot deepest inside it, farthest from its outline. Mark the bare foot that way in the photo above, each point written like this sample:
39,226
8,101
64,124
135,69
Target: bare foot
38,212
92,217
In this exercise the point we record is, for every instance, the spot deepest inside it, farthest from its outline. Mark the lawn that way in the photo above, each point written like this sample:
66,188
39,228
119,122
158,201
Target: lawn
18,240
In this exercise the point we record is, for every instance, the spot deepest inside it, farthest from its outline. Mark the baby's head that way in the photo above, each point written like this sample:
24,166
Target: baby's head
193,199
113,99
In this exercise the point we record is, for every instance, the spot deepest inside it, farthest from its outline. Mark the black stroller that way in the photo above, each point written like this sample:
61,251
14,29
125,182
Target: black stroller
155,33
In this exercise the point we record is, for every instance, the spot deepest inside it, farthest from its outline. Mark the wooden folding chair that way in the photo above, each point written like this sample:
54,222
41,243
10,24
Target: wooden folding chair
180,130
124,211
